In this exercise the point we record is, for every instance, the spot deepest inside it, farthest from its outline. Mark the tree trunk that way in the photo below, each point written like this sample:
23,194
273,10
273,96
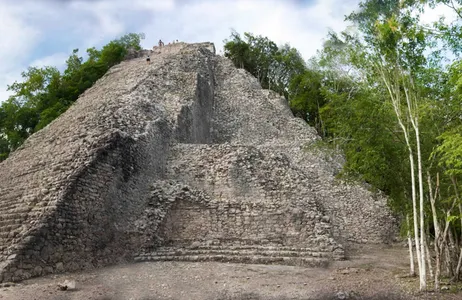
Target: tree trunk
411,253
451,248
394,89
447,260
420,262
429,260
459,265
411,100
436,226
456,191
423,271
437,268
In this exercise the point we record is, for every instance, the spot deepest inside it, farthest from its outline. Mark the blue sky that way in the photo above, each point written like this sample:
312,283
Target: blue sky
44,32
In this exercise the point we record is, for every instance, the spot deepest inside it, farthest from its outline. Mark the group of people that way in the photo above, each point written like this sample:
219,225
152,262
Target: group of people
161,44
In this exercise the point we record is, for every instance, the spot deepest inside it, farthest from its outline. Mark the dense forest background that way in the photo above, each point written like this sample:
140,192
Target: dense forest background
386,92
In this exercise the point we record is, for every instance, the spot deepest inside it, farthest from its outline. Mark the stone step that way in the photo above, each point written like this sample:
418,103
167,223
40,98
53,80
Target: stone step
12,221
8,205
234,252
245,247
240,254
256,259
4,234
7,228
12,216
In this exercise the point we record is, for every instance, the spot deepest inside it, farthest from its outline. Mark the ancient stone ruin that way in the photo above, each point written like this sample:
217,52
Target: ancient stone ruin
186,158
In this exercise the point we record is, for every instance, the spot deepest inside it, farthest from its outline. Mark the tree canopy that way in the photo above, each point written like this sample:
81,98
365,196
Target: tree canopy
45,93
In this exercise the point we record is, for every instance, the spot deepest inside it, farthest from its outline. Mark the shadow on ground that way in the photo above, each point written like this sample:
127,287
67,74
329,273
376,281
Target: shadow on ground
254,296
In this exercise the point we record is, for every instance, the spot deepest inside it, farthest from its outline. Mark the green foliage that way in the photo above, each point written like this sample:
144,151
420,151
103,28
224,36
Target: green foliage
449,33
450,151
281,69
306,98
44,93
273,66
362,125
4,150
131,40
453,218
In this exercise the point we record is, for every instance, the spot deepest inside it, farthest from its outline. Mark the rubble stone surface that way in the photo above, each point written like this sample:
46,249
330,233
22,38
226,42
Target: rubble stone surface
185,158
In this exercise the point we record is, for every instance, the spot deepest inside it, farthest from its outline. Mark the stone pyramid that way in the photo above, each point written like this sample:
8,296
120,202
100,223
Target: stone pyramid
186,158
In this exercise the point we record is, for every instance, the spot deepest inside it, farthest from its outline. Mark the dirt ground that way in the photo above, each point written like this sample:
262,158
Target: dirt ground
372,272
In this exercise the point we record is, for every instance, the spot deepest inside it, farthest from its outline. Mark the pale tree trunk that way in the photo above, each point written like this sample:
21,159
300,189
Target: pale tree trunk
459,265
429,259
423,274
420,261
437,268
394,91
411,253
412,113
447,261
459,261
436,226
443,248
441,245
443,241
452,248
460,212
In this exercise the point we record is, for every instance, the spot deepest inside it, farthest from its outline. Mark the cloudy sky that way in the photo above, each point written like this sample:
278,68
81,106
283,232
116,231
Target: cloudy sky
44,32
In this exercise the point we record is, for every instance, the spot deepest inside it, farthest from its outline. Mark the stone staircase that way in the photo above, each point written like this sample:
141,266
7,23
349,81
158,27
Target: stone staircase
241,254
13,215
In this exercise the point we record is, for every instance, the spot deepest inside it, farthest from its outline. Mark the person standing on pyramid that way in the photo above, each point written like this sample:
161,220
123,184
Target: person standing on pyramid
148,60
161,43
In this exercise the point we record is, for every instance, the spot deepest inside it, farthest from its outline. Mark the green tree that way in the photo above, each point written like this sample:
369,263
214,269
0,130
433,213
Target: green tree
131,40
306,98
44,93
273,66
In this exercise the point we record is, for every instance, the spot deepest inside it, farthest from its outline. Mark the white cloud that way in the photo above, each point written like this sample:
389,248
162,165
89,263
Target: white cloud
17,37
8,78
62,26
44,32
281,21
102,20
433,15
157,6
57,60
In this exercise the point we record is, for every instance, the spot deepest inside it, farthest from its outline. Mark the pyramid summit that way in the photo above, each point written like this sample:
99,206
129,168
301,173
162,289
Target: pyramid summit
184,158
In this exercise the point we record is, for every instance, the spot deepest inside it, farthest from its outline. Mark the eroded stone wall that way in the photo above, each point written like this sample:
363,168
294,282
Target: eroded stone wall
257,198
244,224
179,216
